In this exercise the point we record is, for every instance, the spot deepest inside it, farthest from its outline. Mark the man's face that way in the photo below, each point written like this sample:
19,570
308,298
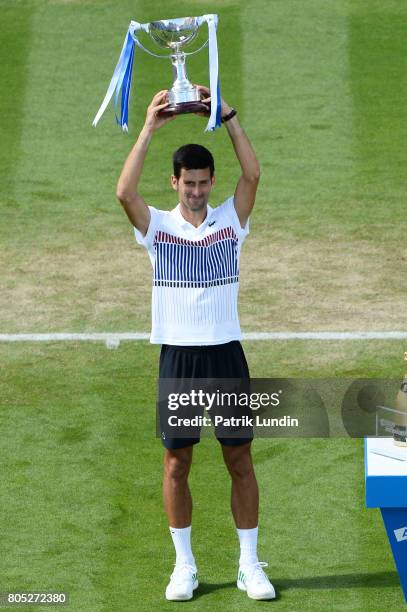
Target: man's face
193,187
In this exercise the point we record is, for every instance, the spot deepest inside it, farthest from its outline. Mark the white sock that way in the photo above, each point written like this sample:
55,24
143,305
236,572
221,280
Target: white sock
182,543
248,546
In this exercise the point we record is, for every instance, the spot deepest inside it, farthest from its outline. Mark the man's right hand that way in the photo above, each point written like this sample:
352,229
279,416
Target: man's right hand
153,120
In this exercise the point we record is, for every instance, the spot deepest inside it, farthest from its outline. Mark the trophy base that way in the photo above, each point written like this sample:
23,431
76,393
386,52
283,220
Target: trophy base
185,107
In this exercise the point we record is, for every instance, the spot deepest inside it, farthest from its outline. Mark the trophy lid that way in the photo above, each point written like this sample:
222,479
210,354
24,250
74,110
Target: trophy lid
174,33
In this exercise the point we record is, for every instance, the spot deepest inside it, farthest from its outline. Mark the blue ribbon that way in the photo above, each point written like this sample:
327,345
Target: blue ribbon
121,79
126,88
124,83
218,108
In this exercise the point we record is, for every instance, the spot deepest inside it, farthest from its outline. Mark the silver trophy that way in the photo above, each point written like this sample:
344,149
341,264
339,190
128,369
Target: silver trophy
176,34
172,34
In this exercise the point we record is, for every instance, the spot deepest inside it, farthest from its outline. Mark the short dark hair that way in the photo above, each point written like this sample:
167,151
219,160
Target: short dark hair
192,157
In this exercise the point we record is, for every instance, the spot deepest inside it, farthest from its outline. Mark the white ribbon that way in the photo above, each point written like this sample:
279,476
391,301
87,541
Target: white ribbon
215,118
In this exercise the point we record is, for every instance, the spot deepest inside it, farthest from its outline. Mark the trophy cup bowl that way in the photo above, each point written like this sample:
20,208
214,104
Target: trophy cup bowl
171,33
175,34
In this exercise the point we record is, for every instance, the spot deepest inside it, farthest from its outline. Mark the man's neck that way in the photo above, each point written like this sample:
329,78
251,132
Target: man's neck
195,218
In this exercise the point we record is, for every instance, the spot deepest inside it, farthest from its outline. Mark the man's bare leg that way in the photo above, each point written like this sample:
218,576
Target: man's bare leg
176,493
245,492
245,509
178,506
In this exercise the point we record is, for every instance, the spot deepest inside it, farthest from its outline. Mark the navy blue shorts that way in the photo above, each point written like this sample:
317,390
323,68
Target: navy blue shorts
224,361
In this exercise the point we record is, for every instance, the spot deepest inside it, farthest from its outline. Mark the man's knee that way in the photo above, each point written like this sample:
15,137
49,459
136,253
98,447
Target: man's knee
238,460
177,463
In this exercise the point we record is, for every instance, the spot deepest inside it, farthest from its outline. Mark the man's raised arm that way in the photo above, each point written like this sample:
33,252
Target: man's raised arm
245,193
127,186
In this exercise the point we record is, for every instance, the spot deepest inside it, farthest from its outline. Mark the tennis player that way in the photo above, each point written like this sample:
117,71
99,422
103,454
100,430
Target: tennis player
194,250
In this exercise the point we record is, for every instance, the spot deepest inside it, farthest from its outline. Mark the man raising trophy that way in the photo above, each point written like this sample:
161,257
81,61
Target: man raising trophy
194,250
194,318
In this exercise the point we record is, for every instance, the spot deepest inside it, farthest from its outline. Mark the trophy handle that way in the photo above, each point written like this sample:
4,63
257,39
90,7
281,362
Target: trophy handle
141,46
197,50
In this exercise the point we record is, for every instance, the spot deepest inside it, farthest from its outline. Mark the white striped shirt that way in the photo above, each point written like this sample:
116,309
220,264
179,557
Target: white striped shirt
195,275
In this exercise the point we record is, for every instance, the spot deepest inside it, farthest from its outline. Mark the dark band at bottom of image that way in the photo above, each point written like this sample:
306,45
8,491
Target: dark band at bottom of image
282,408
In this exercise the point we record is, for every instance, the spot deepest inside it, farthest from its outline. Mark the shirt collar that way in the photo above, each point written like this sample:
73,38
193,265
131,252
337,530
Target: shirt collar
176,213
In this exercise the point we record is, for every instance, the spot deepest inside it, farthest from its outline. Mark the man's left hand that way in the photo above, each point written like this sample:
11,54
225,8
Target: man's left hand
206,98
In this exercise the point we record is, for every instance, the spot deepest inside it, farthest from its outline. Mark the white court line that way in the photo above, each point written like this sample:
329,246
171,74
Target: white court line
357,335
106,336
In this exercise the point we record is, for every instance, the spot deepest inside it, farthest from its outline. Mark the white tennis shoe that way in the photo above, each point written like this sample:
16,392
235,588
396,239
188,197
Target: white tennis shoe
182,583
254,581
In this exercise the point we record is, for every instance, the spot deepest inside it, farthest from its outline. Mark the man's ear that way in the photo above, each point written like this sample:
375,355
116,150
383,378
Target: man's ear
174,182
213,179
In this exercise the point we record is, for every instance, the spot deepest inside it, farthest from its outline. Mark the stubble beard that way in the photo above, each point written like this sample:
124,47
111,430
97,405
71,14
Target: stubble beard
195,206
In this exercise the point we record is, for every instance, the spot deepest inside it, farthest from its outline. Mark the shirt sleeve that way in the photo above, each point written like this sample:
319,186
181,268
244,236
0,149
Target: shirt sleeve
230,210
147,240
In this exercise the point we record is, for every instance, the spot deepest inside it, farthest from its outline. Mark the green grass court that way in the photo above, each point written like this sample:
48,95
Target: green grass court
320,88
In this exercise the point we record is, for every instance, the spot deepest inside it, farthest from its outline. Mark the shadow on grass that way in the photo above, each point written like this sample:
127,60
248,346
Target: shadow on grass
339,581
205,588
